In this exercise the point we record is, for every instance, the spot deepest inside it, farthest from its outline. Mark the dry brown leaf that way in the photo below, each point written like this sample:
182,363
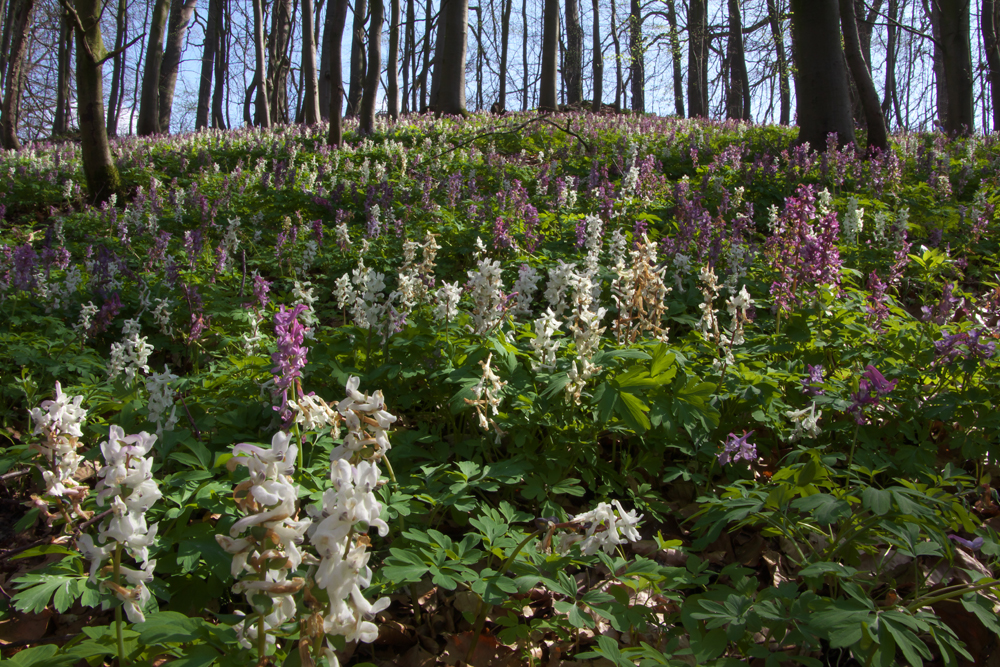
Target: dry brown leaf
25,627
487,653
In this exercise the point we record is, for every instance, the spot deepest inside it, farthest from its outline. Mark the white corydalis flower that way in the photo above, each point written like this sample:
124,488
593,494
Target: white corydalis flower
605,529
806,422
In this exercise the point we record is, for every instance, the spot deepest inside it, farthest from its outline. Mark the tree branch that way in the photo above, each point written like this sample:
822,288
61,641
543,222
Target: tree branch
118,51
892,21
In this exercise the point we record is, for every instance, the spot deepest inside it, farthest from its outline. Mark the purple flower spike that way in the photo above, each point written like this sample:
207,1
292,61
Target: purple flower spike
811,384
290,358
972,545
737,448
878,381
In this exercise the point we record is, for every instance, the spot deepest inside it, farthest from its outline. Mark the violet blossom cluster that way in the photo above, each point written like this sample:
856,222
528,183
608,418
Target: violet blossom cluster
290,357
736,448
962,345
872,387
803,247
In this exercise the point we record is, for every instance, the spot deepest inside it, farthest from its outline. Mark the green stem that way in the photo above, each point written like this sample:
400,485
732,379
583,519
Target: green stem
850,458
115,577
949,594
485,608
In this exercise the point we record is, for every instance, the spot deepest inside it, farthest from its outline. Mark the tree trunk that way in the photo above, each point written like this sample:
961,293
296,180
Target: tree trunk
619,85
392,78
278,61
675,59
7,12
180,18
149,112
598,60
118,68
988,25
60,124
890,60
310,103
638,58
505,9
334,36
874,120
409,55
260,83
358,63
366,117
956,52
448,84
9,111
778,37
207,66
738,94
574,53
221,66
821,88
698,58
548,85
524,53
99,169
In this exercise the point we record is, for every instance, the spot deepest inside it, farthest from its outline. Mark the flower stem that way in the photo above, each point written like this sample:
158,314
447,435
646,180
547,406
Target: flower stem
116,576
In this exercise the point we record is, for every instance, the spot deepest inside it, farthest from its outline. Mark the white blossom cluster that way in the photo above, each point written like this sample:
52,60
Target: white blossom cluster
161,315
604,529
446,300
127,479
87,312
130,355
302,292
524,290
544,345
161,400
486,287
230,244
269,502
488,397
806,422
639,292
58,422
853,220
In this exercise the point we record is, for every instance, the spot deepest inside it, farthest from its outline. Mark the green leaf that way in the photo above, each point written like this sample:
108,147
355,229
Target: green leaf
39,656
46,550
168,627
38,589
633,412
201,655
877,501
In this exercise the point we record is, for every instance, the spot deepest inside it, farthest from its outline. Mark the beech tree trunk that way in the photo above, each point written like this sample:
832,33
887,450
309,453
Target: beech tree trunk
409,56
278,64
619,81
149,111
7,11
524,53
891,99
99,169
638,58
506,6
698,58
675,59
738,94
392,78
448,83
598,59
548,85
20,26
259,83
874,120
574,53
180,18
334,36
956,55
821,88
219,118
781,62
207,65
366,117
118,68
988,25
310,103
60,123
358,63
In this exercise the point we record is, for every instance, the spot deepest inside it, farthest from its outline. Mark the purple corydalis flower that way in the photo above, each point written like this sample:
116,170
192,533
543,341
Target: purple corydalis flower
261,287
972,545
737,448
871,387
878,381
814,377
290,358
960,345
